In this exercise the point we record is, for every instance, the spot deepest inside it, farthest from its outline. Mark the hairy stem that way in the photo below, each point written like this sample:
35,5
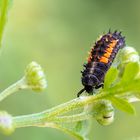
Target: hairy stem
73,118
53,113
13,88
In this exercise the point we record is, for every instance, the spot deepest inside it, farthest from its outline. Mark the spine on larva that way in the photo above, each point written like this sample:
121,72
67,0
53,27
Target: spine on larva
100,59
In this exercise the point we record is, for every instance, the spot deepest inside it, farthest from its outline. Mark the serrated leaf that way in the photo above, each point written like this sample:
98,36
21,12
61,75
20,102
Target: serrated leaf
110,77
122,104
130,72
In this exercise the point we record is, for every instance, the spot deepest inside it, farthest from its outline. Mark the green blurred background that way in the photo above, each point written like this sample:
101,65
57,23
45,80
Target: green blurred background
58,34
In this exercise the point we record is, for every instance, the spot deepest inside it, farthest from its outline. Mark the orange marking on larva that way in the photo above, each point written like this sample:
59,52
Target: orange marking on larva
113,43
104,59
90,57
108,52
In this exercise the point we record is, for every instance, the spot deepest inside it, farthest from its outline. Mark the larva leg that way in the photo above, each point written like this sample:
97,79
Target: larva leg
80,92
100,85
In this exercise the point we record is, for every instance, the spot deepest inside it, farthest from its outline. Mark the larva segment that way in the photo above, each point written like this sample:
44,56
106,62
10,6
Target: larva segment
108,52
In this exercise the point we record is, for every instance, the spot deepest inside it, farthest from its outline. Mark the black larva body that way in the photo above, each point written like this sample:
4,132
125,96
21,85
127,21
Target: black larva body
99,61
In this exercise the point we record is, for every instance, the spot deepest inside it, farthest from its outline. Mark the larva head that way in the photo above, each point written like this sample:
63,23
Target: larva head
90,82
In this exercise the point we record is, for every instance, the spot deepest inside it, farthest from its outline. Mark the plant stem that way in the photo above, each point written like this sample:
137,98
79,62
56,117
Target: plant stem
73,118
27,120
13,88
74,104
41,118
54,115
24,121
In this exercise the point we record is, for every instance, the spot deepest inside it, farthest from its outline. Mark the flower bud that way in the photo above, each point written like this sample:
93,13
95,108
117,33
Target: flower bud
129,54
103,112
6,124
35,77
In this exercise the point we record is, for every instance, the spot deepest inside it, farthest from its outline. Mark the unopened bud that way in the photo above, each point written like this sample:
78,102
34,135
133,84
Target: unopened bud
6,124
129,54
103,112
35,77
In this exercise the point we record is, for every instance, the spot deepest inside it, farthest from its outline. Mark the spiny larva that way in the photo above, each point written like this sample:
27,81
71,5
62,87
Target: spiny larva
100,59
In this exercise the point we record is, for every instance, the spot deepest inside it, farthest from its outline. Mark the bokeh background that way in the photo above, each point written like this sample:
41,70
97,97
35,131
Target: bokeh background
58,34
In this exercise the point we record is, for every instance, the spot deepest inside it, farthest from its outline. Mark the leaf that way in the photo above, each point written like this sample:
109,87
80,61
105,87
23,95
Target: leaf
122,104
130,72
82,127
110,77
4,7
71,132
134,86
8,1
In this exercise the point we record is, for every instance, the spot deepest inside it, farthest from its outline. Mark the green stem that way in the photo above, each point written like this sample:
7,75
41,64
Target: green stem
27,120
42,117
30,120
3,17
73,104
56,126
55,114
73,118
13,88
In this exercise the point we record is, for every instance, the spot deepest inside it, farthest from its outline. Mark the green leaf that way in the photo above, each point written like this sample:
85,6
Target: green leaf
130,72
110,77
4,7
134,86
82,127
71,132
9,2
122,104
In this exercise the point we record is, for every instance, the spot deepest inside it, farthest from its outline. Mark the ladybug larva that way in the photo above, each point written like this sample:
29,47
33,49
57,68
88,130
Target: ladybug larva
99,61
